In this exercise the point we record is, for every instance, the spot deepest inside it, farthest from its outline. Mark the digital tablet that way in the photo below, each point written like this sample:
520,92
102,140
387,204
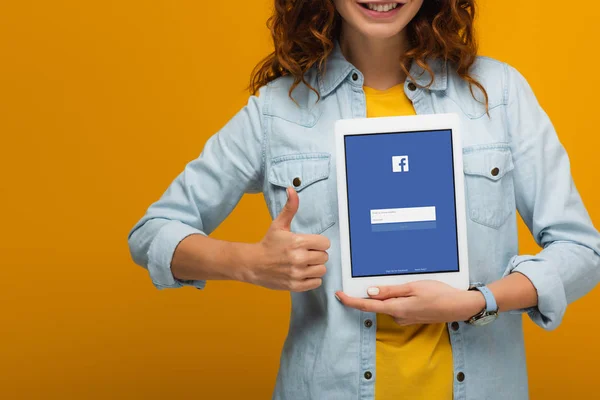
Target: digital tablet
401,201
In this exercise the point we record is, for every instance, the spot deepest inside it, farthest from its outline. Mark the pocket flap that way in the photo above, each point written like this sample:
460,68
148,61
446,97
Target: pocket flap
299,170
492,163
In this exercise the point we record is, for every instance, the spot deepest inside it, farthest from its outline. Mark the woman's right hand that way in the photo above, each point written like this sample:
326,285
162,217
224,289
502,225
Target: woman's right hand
290,261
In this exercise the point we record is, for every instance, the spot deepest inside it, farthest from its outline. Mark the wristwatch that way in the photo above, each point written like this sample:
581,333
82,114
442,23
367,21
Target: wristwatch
489,313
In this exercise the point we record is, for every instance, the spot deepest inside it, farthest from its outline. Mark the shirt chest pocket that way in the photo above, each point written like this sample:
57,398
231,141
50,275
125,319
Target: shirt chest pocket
489,184
308,174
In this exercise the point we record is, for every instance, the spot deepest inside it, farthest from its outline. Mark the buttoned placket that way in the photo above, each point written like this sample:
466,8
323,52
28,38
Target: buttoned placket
422,105
367,321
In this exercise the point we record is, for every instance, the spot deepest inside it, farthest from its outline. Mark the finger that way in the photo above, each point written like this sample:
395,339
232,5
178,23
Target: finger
306,285
314,271
285,217
313,242
401,321
317,257
387,292
367,305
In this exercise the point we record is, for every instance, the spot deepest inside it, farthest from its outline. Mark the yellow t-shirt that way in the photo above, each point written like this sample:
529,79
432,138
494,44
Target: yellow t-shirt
412,362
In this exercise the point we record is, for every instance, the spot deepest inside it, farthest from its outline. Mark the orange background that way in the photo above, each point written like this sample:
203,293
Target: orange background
101,105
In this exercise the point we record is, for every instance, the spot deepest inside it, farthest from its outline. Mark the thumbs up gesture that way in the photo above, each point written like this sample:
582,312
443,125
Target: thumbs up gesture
292,261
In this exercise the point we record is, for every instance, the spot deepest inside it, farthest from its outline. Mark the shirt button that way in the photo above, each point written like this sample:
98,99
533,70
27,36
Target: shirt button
297,182
355,76
412,87
460,376
454,326
368,375
495,171
368,323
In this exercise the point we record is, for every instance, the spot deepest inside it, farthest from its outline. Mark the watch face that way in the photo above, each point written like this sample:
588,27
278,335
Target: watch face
486,319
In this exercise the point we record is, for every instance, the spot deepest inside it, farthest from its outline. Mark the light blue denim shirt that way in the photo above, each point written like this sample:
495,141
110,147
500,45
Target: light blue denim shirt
329,347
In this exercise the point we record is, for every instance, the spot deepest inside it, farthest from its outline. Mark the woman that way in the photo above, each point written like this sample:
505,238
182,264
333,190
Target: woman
352,58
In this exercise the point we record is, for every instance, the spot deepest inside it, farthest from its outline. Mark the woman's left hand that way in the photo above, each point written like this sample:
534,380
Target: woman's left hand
421,302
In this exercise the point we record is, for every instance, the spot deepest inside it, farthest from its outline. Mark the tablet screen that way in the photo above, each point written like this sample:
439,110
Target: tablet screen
401,203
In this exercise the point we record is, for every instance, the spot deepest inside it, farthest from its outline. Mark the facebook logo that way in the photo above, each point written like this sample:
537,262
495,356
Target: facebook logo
399,163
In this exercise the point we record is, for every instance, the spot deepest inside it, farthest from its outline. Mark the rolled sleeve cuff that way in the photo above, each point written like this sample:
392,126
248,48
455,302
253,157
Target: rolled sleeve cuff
552,301
161,252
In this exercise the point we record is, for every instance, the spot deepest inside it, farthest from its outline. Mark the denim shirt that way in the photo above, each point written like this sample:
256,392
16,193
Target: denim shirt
329,347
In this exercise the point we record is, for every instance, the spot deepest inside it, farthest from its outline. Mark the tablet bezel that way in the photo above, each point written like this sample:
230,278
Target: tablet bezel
357,287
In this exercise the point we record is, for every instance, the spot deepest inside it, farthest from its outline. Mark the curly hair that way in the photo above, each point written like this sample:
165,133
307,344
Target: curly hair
304,31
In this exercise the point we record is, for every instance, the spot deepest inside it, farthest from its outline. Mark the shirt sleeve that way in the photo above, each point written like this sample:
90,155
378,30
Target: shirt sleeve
568,266
202,195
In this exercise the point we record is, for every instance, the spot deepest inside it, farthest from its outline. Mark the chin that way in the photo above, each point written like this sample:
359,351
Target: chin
380,32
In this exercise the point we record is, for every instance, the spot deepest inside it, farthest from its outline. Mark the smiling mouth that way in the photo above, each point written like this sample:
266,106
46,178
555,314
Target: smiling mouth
380,7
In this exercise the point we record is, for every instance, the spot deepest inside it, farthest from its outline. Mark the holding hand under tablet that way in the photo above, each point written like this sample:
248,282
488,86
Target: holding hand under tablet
422,302
429,302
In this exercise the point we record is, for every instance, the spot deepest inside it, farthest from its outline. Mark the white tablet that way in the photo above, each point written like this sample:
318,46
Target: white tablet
401,201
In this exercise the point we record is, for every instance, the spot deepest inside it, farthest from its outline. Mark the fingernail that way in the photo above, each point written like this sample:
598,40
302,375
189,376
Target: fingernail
287,192
337,297
373,291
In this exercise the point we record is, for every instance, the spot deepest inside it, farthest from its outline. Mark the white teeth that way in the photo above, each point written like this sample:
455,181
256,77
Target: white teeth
382,7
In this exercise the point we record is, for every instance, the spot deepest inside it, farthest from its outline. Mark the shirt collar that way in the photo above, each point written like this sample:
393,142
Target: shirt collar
337,68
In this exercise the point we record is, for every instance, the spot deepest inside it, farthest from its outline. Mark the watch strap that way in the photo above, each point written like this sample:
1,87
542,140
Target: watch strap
490,300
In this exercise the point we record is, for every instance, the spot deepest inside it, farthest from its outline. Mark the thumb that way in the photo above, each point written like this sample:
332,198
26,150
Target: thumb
387,292
284,219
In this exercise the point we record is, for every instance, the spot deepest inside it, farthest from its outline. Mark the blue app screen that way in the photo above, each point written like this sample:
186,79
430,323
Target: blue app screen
401,203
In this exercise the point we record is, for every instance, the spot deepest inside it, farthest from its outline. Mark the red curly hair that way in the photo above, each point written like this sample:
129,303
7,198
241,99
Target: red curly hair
304,32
